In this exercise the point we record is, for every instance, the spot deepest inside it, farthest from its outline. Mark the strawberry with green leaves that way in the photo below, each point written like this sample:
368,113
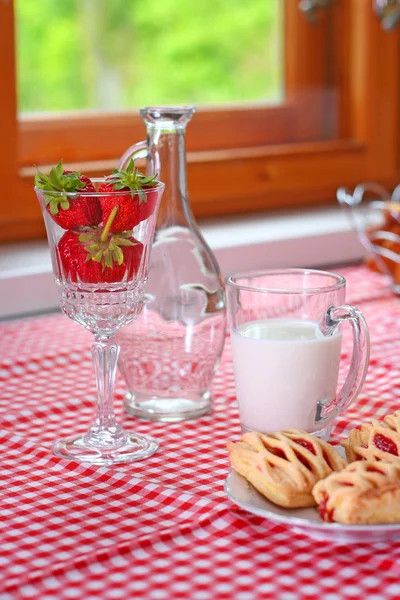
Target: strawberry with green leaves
96,255
134,207
67,211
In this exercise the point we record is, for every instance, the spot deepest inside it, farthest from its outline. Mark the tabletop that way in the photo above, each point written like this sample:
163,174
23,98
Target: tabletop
163,527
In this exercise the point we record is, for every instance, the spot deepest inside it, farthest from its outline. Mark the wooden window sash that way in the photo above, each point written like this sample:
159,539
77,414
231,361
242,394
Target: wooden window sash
10,181
300,117
230,148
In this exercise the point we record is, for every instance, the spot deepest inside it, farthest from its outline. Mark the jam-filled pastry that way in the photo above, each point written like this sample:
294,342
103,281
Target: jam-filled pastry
284,466
379,440
365,492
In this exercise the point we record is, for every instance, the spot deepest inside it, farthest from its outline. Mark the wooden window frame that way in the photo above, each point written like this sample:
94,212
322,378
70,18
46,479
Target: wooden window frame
285,151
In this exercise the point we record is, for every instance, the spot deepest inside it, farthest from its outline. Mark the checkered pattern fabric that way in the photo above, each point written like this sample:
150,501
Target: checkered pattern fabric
163,528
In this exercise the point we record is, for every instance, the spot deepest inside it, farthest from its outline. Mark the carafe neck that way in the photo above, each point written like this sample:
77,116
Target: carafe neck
166,142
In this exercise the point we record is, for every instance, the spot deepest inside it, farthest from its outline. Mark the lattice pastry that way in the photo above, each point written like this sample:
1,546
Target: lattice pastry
379,440
365,492
284,466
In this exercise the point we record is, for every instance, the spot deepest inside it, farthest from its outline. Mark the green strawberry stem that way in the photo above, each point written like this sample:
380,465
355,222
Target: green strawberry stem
58,181
132,179
106,230
103,247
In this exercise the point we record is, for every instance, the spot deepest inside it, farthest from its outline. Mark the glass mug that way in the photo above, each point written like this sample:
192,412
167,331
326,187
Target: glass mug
286,344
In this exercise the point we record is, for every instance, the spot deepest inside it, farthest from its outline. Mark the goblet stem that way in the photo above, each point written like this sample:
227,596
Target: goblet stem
105,431
106,442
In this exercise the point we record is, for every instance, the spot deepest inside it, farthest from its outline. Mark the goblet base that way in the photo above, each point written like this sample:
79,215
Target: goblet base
136,447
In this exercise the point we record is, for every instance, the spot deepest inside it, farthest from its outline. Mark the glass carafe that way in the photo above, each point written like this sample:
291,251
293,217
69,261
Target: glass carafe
168,358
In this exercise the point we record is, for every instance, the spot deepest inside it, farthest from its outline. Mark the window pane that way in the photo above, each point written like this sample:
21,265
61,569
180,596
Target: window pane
103,54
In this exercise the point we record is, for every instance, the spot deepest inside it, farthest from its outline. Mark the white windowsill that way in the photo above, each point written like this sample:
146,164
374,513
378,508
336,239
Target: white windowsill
314,237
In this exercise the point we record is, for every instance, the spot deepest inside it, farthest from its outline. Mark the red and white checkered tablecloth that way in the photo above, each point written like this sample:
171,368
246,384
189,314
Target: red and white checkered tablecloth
163,528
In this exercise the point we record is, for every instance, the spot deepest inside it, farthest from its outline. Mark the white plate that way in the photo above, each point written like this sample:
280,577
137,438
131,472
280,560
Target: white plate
304,520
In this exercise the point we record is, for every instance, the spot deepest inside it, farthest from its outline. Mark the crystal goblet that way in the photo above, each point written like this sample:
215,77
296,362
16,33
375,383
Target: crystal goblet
101,267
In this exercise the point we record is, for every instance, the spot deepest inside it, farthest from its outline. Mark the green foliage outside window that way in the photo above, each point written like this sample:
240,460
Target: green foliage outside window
112,54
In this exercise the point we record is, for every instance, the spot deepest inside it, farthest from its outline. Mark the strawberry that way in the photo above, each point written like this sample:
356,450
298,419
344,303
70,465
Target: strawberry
147,203
66,211
134,207
95,255
127,216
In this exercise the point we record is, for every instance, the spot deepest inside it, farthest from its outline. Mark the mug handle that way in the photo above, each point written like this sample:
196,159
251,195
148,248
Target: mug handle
335,315
136,151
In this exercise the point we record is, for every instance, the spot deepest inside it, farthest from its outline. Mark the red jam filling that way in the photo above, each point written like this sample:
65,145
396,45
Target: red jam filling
372,469
325,513
277,452
306,444
385,444
327,459
304,461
